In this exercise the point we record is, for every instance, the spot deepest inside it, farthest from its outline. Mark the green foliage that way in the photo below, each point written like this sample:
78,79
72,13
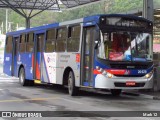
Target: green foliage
45,17
125,5
15,19
108,6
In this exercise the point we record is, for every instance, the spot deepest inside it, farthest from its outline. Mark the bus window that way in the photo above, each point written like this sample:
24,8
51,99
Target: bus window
73,39
61,40
50,40
22,44
30,42
9,44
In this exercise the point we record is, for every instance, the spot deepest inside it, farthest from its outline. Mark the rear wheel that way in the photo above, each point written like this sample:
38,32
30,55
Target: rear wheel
22,79
116,92
72,89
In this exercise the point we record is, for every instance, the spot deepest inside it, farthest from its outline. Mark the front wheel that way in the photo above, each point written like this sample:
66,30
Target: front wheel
72,89
116,92
22,79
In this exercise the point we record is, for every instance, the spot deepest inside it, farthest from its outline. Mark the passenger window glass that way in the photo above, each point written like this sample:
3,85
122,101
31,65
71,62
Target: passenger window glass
73,40
30,42
61,40
22,44
9,45
50,40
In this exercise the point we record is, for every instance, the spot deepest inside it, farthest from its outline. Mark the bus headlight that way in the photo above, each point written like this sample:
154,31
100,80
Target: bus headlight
104,72
109,75
149,74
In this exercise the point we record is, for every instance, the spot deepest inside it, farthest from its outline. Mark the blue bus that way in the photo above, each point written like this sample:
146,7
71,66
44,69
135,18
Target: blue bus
110,51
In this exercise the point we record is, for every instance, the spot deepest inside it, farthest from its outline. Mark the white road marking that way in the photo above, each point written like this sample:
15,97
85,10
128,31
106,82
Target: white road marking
10,83
24,89
8,80
3,78
71,101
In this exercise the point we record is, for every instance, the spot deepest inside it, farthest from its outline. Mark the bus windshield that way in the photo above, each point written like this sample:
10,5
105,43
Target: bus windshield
125,46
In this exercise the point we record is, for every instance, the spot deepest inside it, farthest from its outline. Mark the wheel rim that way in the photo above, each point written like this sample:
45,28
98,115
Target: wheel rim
21,77
70,83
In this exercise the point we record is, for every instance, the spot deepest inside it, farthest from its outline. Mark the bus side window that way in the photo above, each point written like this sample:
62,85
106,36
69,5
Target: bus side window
61,39
22,43
73,40
9,45
30,42
50,41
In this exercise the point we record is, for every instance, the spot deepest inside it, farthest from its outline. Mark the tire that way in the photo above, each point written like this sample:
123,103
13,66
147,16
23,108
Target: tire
22,79
116,92
72,89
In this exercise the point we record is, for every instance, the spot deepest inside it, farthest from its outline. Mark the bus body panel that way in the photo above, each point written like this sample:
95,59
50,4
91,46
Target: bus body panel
102,81
55,65
25,60
28,66
49,67
7,63
38,66
15,66
69,60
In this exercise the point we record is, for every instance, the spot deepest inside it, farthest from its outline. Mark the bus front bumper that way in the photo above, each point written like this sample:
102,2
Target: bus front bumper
103,82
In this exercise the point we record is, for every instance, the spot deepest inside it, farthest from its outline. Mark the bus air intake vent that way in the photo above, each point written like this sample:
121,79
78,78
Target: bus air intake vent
124,66
128,75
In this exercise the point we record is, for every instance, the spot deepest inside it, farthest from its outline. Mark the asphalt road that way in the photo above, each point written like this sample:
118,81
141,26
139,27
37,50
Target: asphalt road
14,97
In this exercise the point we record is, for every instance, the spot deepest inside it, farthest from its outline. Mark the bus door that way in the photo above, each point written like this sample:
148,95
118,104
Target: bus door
38,55
14,56
87,56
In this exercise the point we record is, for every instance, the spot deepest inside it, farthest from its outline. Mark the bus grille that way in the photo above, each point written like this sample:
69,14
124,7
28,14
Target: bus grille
129,75
124,66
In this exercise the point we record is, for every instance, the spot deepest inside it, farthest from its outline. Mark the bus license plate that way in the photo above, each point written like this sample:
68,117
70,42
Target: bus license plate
130,83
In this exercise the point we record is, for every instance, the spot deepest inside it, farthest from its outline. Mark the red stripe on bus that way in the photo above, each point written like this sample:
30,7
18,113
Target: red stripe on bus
38,74
96,72
117,72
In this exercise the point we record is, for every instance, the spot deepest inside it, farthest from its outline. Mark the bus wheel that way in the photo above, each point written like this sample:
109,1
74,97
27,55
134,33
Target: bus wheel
72,89
22,79
116,92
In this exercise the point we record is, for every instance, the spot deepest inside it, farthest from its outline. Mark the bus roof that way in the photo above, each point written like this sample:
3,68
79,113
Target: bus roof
85,19
34,29
131,16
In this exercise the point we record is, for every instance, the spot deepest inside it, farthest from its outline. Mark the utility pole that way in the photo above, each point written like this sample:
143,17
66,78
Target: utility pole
10,26
17,26
6,20
148,10
2,28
